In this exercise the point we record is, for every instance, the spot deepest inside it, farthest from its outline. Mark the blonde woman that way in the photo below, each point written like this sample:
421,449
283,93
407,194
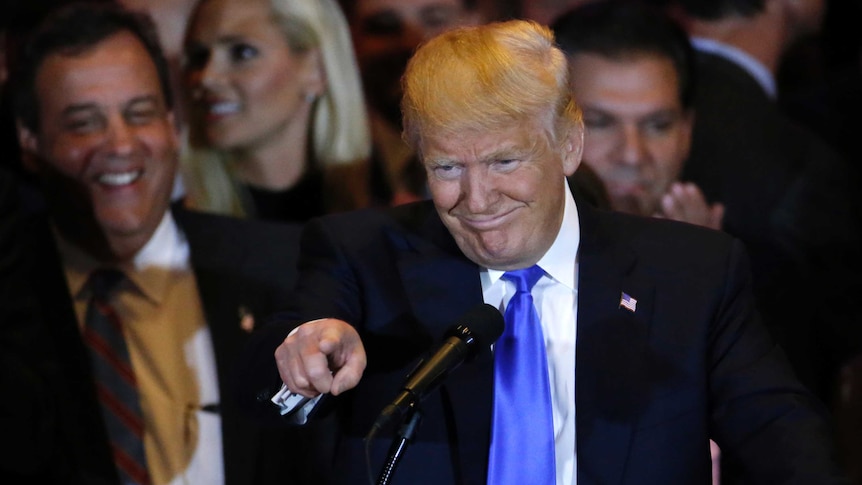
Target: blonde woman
279,129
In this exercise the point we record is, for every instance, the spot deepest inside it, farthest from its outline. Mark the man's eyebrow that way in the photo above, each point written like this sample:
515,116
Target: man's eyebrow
79,108
504,153
511,152
146,98
439,161
89,107
599,108
666,112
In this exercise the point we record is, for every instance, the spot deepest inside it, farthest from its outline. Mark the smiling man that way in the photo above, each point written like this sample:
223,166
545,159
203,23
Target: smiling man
104,146
629,341
145,305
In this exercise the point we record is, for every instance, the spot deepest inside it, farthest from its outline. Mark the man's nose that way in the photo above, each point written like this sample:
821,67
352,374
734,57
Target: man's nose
121,137
478,191
633,146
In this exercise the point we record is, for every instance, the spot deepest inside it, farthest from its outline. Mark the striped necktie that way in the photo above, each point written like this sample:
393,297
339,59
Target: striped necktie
115,379
522,441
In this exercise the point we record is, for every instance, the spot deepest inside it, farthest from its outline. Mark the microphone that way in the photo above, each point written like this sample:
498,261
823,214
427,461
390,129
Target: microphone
478,328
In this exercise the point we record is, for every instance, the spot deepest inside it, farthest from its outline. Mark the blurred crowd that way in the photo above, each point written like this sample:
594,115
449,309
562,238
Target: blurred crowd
185,142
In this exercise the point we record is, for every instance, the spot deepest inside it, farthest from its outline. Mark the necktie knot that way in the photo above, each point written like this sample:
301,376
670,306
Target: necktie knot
104,281
524,279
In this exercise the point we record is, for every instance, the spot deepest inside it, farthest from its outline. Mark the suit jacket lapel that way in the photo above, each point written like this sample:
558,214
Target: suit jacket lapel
83,430
218,291
442,285
611,344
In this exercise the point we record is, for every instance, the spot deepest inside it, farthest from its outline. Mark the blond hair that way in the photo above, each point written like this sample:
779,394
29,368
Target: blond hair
339,131
485,78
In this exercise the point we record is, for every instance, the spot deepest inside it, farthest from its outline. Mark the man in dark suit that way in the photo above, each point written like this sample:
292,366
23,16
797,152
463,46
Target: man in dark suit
632,72
787,194
95,122
23,415
648,327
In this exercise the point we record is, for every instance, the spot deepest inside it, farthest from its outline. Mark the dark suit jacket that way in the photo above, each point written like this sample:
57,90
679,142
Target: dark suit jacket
236,263
692,362
24,417
788,198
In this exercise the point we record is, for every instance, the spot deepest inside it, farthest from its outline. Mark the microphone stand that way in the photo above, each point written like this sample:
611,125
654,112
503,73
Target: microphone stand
400,442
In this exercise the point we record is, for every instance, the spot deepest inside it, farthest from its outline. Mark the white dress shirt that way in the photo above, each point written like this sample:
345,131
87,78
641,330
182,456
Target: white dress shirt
555,297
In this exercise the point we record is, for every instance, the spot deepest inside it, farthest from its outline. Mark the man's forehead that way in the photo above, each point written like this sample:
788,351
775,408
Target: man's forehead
594,77
116,70
629,59
480,145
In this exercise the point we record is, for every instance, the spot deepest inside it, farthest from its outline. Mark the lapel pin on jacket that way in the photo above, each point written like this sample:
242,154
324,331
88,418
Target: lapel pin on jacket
627,302
246,319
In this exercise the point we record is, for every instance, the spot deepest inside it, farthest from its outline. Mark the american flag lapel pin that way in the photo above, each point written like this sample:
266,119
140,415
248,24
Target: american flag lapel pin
246,319
627,302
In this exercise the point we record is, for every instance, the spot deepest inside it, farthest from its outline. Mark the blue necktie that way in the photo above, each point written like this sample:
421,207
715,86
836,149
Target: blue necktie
115,379
522,442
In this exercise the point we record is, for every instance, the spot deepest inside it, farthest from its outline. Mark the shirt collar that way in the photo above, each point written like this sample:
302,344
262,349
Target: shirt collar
741,58
559,261
150,270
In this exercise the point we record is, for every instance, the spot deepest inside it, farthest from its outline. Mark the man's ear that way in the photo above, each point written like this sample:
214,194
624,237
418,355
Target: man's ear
573,148
29,143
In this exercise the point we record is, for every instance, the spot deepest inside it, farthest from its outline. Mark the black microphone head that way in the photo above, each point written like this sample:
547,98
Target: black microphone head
481,326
